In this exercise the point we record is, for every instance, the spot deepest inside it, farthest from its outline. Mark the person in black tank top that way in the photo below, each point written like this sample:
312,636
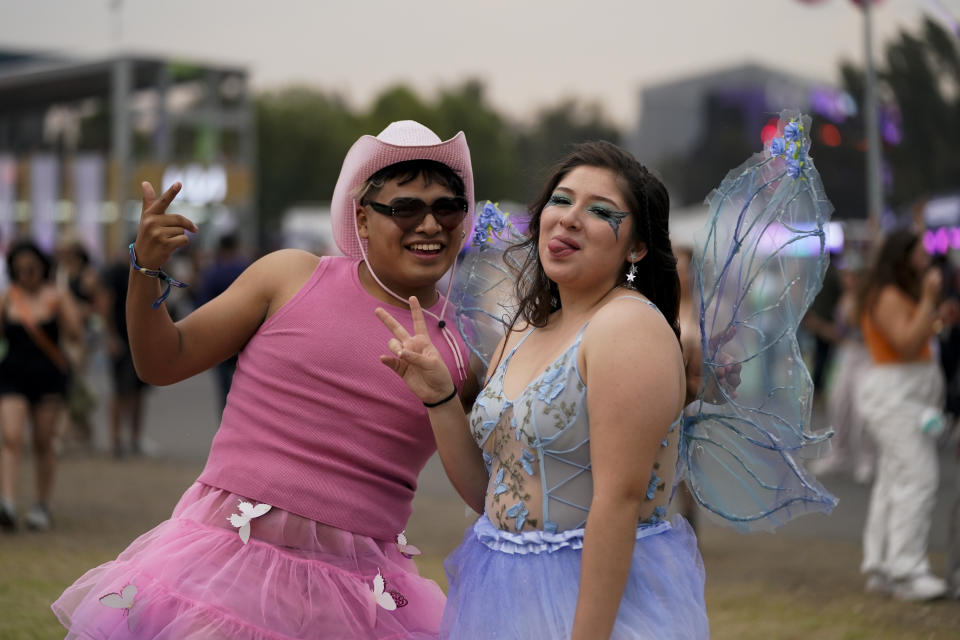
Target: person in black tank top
33,376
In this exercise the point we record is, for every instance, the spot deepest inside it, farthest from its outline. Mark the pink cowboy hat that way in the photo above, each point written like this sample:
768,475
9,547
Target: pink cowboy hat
399,142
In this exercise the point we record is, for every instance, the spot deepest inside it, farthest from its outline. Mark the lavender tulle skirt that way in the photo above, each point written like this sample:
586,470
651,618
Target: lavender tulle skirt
194,578
525,585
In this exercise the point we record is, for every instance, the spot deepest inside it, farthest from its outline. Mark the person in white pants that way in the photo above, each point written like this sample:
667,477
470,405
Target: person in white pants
900,398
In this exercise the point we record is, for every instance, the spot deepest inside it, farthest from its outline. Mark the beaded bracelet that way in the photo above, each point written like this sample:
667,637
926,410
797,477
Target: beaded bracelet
156,273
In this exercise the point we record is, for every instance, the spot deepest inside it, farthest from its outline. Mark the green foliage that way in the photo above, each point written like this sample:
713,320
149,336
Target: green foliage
303,135
493,145
555,129
398,102
921,75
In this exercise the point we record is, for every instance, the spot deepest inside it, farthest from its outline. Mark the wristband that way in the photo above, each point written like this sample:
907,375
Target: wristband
450,397
160,275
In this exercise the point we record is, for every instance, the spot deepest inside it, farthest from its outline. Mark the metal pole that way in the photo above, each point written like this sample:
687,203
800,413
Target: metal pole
121,85
874,185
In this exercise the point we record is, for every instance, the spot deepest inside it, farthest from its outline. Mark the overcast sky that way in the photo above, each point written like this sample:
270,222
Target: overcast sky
531,53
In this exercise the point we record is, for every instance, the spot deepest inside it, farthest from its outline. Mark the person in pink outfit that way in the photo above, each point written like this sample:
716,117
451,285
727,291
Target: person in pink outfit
295,527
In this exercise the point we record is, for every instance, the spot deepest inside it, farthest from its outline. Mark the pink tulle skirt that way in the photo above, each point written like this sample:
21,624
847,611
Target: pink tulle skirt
193,577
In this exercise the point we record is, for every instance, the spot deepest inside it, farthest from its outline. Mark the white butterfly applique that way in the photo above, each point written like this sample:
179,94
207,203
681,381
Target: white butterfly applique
122,600
408,550
247,513
388,599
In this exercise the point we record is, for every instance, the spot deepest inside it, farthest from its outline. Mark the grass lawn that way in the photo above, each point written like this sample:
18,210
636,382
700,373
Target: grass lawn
759,586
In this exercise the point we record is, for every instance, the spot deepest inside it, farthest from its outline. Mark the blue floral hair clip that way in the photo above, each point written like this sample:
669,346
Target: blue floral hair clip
792,147
491,223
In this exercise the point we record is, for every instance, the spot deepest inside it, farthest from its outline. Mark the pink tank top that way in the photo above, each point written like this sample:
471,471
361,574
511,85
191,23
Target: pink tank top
315,424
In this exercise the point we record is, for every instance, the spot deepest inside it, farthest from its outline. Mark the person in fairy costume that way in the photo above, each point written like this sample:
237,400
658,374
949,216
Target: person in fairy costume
294,527
573,446
576,425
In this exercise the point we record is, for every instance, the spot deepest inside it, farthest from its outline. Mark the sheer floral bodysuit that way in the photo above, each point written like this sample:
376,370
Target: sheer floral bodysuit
537,449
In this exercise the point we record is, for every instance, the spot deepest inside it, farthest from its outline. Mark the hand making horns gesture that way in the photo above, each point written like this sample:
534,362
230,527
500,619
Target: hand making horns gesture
415,359
160,233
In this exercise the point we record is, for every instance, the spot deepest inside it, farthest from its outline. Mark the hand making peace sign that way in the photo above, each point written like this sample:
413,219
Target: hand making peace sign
415,359
160,233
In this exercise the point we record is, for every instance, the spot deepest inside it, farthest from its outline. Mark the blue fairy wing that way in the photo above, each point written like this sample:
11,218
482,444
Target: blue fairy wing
483,291
759,263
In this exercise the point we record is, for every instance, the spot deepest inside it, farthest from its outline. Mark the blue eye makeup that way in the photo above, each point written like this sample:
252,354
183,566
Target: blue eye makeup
559,198
608,214
611,216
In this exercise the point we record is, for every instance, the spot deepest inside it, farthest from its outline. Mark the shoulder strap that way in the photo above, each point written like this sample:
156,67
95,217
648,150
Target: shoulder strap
37,334
640,299
517,346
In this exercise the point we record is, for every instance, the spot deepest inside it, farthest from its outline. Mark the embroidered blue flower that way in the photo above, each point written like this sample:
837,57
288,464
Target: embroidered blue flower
515,425
659,513
793,131
525,460
488,461
550,387
652,486
499,485
665,443
519,512
778,147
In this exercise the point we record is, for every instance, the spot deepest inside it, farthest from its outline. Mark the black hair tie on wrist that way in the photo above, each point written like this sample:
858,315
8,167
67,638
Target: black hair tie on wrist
450,397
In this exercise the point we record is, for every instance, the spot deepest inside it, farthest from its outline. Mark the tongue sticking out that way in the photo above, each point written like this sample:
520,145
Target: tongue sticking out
560,248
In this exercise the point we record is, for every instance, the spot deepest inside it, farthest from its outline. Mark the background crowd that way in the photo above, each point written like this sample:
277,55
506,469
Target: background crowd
58,313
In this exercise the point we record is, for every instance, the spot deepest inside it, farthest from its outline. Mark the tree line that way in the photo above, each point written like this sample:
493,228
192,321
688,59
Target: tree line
304,133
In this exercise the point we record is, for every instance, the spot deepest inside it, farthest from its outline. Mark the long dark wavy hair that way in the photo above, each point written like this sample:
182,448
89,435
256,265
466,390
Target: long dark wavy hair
649,205
891,265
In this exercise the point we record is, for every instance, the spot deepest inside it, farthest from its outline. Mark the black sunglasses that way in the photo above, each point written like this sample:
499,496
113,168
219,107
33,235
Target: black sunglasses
408,213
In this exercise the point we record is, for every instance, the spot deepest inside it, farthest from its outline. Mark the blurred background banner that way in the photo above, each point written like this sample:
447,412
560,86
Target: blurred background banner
88,192
44,194
8,174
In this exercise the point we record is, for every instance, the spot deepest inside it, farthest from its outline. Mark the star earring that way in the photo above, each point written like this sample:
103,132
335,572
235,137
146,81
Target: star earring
632,271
